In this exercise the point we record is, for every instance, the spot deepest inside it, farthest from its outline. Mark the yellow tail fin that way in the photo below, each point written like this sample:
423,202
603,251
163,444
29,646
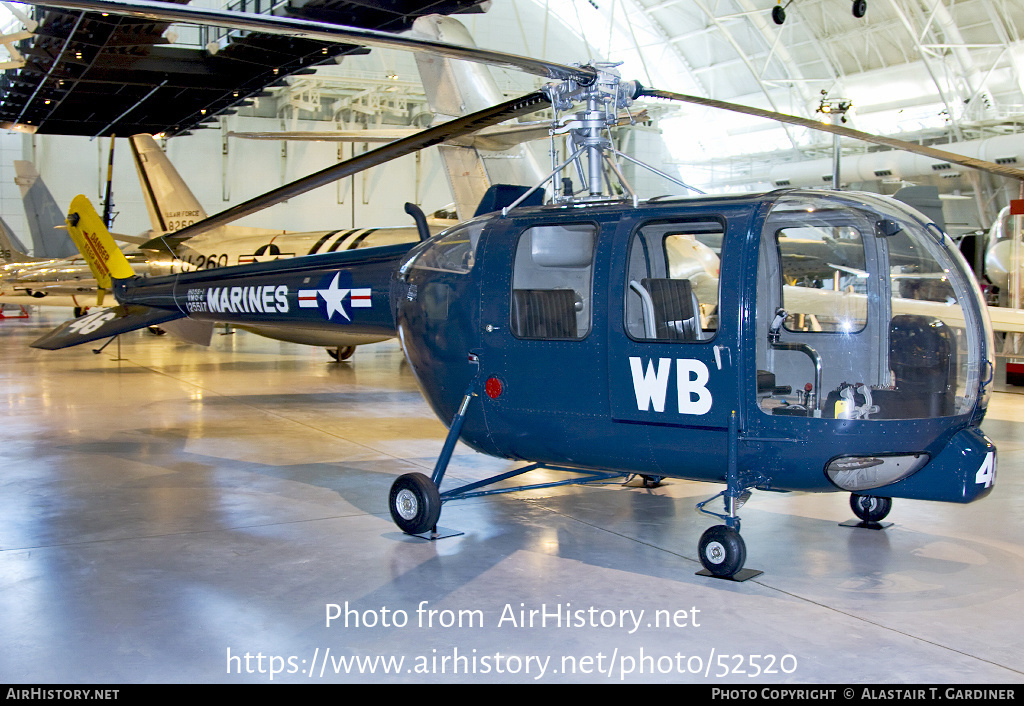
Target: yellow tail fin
97,246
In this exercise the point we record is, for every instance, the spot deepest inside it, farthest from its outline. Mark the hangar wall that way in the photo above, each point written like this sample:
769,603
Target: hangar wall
219,178
10,197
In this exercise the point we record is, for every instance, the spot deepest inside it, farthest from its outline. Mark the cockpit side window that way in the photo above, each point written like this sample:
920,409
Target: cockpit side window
825,269
672,281
552,282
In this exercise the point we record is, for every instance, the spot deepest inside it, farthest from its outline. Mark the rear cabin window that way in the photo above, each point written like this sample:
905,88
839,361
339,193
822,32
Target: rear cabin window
552,282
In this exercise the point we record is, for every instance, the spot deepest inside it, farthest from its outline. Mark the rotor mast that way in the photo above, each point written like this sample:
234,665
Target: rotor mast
601,98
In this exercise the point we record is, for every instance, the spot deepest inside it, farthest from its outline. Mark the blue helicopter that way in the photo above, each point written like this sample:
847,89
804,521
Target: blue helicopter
798,340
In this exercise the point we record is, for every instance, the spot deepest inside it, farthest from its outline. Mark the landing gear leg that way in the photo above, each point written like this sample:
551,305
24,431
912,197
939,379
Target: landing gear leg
415,501
721,550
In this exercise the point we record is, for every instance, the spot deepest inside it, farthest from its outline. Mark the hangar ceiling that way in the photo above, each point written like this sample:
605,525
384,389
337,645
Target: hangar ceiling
932,70
964,56
95,74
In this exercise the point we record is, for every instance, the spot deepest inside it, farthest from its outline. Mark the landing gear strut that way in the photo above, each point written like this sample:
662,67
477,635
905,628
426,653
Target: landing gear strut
415,500
721,550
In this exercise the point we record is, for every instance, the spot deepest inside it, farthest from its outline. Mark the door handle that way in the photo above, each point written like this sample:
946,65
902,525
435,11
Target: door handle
718,356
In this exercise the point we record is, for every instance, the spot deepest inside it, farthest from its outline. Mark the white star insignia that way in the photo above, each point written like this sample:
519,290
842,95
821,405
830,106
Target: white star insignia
333,298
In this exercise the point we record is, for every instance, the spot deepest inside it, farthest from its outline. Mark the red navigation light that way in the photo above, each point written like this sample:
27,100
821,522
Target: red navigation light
493,388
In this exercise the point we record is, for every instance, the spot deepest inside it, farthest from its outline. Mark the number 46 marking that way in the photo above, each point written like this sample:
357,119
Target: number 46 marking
986,475
88,324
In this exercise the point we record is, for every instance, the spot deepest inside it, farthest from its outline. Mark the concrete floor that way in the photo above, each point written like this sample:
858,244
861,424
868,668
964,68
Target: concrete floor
191,515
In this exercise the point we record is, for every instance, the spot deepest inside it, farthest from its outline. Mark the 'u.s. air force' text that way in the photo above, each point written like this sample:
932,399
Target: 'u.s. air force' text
269,299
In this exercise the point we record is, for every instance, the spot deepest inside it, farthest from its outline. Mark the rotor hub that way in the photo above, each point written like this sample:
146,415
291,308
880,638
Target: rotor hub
590,127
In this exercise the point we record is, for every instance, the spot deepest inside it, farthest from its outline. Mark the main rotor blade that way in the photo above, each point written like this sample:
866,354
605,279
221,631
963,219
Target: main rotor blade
523,105
931,152
367,136
324,32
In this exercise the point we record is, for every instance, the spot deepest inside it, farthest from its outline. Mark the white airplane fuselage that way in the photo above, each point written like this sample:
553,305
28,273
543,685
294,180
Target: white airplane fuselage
232,245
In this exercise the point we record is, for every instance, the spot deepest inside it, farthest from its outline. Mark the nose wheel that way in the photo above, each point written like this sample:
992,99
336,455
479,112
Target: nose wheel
870,508
341,353
870,511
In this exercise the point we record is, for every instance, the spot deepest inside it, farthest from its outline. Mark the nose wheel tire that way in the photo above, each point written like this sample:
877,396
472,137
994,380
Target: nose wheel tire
722,550
869,508
415,503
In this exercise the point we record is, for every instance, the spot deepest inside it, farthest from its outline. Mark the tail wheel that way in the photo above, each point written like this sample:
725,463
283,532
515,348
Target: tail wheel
869,508
722,550
342,353
415,503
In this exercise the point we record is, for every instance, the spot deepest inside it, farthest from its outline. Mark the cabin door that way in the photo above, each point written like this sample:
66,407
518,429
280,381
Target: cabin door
541,353
670,361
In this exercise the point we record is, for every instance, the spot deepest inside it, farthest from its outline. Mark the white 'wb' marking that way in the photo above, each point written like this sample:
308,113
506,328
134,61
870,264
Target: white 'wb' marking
651,385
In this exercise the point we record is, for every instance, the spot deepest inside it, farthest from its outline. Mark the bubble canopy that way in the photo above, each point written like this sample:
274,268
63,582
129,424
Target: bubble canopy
876,303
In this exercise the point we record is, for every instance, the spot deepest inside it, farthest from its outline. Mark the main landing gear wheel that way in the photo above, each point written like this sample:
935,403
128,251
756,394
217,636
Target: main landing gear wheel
722,550
342,353
869,508
415,503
